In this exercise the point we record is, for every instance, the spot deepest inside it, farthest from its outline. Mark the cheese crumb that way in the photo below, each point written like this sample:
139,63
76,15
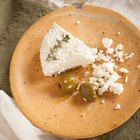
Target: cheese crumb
101,81
78,86
109,67
126,79
103,76
103,88
129,56
118,33
119,47
84,99
98,72
94,66
110,50
93,80
94,50
123,70
107,42
102,101
83,114
121,60
118,107
70,86
138,66
116,88
119,54
77,22
86,73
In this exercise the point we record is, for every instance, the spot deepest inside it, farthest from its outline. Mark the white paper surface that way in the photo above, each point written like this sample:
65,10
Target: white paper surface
13,125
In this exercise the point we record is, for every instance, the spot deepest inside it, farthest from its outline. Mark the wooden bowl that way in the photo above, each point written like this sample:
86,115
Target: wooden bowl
40,98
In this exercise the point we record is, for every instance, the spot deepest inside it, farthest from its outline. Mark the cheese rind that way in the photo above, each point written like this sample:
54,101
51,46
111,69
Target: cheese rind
71,54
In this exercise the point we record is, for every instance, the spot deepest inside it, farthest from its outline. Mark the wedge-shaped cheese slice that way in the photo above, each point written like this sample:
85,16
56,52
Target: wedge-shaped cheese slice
71,54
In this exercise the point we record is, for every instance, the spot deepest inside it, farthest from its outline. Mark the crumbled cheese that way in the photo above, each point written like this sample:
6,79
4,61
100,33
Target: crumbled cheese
116,88
70,86
100,56
118,33
98,72
123,70
118,107
104,76
110,50
107,75
101,51
97,84
78,86
107,42
102,101
126,79
103,88
119,47
101,81
138,66
83,114
86,73
75,52
77,22
114,77
84,99
93,80
94,66
127,56
112,60
132,54
119,54
109,67
121,60
94,50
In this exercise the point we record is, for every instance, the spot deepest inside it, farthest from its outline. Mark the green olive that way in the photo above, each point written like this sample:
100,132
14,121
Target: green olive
68,83
88,92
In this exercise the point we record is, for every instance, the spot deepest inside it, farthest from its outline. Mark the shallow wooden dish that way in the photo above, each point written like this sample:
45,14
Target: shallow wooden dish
39,97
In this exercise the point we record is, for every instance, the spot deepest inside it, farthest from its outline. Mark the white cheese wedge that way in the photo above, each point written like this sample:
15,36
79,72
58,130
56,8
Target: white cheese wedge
71,54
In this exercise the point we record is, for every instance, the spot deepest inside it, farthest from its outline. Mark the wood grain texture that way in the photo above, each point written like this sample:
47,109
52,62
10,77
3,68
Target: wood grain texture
23,15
